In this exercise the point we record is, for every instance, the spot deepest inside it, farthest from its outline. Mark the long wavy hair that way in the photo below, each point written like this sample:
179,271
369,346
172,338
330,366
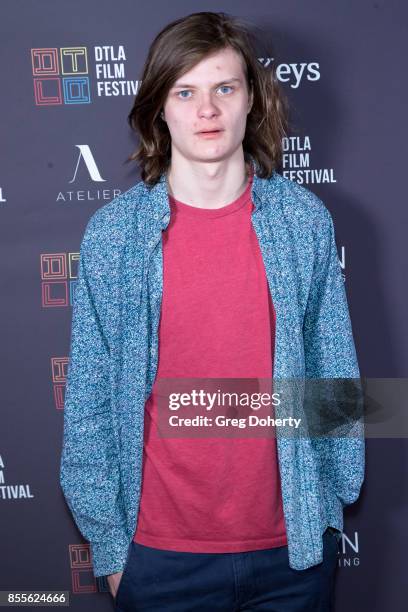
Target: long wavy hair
175,50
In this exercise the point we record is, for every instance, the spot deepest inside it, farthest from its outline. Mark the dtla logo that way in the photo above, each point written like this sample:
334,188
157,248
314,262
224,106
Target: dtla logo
59,275
85,158
62,75
81,565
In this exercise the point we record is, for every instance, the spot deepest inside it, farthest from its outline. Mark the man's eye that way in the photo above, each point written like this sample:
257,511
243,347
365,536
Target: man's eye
226,86
183,91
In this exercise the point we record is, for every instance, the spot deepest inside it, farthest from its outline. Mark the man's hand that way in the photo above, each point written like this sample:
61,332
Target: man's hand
113,582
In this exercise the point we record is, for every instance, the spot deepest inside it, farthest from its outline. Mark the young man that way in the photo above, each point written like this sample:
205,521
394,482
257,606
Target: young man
213,266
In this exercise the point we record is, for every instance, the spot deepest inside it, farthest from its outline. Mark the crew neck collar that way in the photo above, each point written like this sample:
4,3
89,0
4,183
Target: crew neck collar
212,213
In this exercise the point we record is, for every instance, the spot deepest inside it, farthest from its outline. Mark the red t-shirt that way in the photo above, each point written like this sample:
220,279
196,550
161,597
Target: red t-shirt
217,320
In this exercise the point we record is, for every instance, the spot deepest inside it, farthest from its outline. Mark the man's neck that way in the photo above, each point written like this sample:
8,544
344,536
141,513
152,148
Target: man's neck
207,186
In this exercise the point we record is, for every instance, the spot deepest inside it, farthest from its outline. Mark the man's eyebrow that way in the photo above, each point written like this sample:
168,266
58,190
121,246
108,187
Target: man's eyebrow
216,84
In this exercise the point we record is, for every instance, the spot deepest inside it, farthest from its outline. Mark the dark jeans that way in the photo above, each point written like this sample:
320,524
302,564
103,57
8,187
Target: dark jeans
163,580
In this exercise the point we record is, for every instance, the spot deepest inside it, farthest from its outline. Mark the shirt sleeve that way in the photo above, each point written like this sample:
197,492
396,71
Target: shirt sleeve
89,469
330,356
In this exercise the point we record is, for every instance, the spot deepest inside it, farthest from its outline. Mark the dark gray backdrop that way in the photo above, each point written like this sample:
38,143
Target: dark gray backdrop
354,117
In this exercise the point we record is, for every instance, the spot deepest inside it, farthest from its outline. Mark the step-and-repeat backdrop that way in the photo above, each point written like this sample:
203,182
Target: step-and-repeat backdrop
70,71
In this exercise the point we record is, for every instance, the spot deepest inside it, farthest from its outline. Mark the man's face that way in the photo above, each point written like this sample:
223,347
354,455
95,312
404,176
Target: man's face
211,96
